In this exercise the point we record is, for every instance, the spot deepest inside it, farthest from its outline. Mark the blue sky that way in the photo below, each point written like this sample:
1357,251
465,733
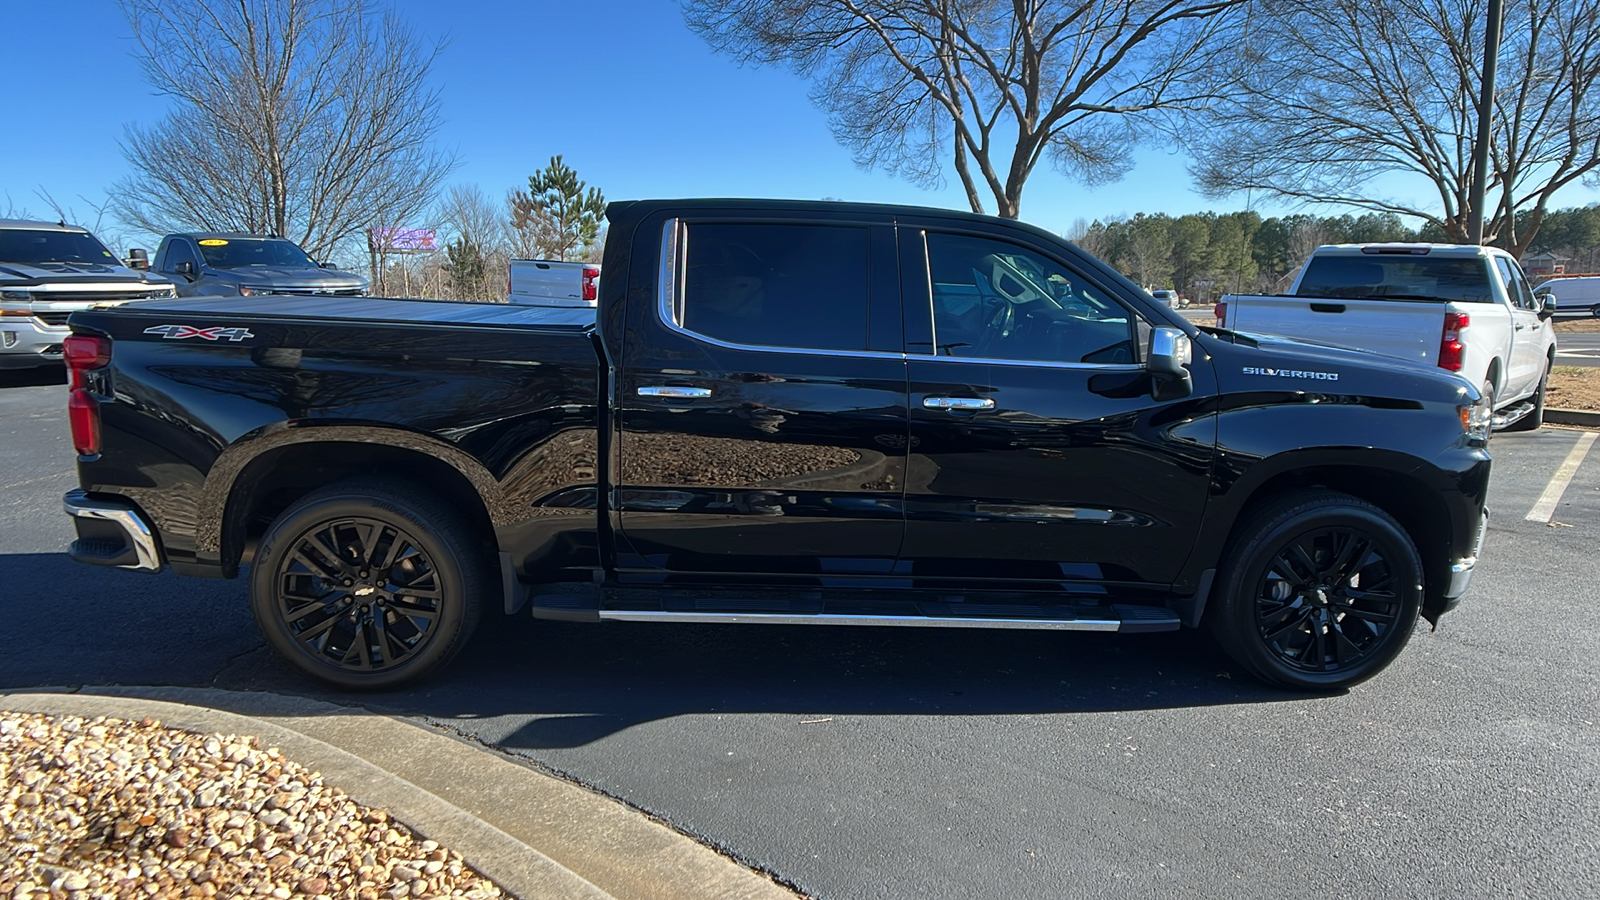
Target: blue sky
637,104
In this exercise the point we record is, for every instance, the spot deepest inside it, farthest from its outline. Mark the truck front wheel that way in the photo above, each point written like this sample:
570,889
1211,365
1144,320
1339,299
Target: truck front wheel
1320,591
368,584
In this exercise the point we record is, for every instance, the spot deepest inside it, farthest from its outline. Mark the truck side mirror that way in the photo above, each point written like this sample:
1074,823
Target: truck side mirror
138,259
1170,354
1547,304
185,268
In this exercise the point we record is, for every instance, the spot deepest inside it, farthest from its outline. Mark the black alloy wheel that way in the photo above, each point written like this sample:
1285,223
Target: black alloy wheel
1319,591
359,594
368,584
1327,599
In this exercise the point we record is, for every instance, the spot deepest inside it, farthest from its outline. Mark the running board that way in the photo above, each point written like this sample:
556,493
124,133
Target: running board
1123,618
1511,417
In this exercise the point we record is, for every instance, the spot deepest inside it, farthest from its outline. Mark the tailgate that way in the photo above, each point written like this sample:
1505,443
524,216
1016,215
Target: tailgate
1402,329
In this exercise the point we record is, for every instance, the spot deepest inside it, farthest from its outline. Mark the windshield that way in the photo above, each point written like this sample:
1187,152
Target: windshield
1458,279
31,247
246,253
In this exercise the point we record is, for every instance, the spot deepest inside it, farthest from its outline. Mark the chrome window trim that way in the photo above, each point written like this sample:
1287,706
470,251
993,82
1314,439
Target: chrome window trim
669,309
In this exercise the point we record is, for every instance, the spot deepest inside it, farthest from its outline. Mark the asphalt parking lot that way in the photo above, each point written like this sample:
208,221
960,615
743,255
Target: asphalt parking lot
910,763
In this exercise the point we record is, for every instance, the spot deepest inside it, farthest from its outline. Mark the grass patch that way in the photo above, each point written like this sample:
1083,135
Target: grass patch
1574,387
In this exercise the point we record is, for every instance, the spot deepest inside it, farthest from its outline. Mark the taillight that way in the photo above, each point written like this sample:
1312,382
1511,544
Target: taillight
1452,352
1221,312
83,414
591,283
84,352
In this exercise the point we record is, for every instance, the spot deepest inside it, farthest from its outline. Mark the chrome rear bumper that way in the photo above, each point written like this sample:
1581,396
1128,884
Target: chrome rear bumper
111,533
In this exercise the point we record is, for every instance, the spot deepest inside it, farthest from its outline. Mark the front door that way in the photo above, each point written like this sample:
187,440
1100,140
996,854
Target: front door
1527,334
762,401
1037,452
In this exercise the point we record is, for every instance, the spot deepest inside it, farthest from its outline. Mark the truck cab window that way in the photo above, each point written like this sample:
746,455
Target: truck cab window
778,285
1517,290
996,300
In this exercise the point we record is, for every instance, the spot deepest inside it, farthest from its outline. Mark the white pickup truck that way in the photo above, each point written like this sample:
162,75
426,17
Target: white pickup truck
1466,309
550,282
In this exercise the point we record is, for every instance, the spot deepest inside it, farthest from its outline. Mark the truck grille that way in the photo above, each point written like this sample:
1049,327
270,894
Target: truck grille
52,318
97,296
315,292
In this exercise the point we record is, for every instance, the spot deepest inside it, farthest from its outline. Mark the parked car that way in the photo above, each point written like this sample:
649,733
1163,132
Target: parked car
211,264
781,412
1580,292
49,270
1169,299
1464,309
551,282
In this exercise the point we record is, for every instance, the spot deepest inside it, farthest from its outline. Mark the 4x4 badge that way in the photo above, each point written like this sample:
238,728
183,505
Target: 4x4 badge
179,332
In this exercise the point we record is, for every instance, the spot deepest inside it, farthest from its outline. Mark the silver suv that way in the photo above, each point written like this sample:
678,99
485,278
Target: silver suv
49,271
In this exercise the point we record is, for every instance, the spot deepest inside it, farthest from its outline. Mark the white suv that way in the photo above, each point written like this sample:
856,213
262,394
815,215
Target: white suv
49,271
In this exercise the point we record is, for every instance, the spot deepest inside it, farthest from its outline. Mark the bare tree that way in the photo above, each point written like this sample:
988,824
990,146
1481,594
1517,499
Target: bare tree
910,85
1327,96
310,119
475,249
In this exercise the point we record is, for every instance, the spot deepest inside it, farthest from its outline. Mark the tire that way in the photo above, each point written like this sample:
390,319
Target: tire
1487,390
1285,609
1534,419
314,591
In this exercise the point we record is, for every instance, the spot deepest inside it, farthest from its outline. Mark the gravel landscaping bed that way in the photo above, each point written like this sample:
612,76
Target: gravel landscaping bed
102,808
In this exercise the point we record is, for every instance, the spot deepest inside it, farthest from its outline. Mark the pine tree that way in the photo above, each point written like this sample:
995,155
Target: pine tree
563,217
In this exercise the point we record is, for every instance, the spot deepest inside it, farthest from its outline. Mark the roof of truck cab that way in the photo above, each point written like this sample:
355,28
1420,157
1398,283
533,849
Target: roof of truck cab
32,225
644,207
1404,247
227,235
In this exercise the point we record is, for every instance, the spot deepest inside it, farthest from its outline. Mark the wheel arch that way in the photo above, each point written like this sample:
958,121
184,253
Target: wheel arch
1418,506
254,481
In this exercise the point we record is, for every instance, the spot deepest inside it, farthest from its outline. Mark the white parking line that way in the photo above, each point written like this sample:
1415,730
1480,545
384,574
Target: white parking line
1546,507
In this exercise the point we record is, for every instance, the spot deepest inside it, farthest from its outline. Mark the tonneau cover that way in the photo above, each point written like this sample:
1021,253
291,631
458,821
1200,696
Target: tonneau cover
376,309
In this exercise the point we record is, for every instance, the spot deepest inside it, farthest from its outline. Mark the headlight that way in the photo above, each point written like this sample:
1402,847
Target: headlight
1476,419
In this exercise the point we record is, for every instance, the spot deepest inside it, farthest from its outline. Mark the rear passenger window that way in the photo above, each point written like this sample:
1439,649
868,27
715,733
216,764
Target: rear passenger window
798,286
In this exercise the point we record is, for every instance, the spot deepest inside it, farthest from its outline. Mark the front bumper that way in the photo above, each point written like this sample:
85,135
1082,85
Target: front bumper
111,532
27,343
1461,570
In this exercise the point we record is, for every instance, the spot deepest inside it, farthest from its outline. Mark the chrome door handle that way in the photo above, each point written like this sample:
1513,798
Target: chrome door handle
675,391
966,403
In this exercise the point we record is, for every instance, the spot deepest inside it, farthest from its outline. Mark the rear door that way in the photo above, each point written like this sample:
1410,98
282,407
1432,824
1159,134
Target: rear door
1037,452
762,402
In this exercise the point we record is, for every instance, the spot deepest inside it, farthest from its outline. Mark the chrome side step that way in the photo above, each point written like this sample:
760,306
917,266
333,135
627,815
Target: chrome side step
1512,416
924,609
758,618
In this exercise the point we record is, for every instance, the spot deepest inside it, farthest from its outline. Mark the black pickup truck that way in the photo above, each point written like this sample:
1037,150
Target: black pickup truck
781,412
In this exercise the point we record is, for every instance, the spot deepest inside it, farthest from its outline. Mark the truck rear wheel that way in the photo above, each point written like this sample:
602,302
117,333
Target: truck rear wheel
368,584
1320,591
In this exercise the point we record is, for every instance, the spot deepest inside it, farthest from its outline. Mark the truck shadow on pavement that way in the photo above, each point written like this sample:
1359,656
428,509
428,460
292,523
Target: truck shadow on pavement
10,378
571,684
554,685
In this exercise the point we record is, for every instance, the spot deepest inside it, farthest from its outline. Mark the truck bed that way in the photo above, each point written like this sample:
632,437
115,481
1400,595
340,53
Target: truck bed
1401,329
378,309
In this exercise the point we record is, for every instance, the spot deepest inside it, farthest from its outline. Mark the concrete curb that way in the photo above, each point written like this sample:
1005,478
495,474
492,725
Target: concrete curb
535,835
1572,417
